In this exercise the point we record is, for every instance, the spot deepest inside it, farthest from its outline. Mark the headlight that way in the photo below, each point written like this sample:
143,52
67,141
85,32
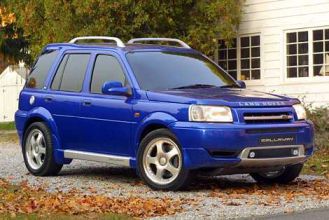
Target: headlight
204,113
300,111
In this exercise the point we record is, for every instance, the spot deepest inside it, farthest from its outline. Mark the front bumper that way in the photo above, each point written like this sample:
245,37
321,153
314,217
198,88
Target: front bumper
214,145
270,161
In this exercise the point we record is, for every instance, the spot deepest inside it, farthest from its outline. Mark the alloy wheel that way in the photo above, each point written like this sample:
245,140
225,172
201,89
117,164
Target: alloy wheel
162,161
35,149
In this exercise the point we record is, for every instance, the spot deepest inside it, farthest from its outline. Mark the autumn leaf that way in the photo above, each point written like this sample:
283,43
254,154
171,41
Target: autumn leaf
39,201
315,189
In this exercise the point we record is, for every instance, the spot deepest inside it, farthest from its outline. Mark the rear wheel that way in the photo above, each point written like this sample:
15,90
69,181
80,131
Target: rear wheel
160,161
283,176
38,151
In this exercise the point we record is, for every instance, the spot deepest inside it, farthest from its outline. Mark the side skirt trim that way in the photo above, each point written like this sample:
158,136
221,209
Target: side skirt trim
111,159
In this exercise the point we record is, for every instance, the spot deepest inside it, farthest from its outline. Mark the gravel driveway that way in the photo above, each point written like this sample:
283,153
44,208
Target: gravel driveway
222,197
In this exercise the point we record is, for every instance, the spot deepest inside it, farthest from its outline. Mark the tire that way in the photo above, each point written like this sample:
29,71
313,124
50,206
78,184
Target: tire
287,175
38,151
151,159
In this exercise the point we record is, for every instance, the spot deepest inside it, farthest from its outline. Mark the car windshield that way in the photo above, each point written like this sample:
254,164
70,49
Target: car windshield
172,70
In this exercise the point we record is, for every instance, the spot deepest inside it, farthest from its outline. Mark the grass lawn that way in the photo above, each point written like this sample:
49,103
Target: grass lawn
318,164
5,126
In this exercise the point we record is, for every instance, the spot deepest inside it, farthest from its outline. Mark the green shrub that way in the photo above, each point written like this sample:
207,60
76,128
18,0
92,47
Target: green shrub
320,118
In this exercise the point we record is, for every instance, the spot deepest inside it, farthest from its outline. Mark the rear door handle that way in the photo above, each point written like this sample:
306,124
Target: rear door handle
49,99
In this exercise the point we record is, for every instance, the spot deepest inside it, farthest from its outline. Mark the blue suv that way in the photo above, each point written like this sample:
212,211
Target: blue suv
164,110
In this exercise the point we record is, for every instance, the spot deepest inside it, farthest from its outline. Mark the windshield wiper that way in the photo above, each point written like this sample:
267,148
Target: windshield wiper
230,86
195,86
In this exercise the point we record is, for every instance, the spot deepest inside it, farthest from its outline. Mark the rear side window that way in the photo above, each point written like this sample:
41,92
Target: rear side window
40,69
71,73
107,68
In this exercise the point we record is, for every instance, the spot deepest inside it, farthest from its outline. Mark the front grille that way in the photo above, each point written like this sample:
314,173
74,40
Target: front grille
267,117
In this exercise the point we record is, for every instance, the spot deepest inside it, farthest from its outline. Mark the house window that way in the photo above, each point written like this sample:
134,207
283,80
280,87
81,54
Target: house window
250,57
297,54
321,52
241,59
227,57
307,53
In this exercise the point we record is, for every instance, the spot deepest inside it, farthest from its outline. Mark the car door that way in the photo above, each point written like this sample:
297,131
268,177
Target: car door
106,119
64,98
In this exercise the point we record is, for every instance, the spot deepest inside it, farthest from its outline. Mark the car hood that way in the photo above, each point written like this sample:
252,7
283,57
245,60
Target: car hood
221,96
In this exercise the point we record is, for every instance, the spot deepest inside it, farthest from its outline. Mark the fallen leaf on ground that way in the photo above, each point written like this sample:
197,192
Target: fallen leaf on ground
41,202
315,189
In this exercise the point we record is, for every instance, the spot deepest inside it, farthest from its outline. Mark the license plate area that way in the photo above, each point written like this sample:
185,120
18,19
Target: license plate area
277,140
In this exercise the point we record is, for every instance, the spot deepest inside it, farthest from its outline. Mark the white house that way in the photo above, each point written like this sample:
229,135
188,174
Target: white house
11,83
282,47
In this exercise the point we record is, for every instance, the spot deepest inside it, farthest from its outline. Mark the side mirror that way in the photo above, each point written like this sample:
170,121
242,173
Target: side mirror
242,84
115,88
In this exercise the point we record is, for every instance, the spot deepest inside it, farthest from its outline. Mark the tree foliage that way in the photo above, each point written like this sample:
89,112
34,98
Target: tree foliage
13,45
199,23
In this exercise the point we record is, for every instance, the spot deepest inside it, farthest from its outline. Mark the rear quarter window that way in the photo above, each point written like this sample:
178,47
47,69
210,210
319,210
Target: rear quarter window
39,72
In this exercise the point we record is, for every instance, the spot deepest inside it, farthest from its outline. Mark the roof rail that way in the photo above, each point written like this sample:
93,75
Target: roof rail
117,40
182,43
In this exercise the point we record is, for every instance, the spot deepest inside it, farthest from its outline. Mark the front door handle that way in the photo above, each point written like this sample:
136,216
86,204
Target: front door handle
86,103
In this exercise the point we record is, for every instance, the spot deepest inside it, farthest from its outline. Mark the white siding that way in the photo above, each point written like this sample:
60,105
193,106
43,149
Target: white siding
272,19
11,84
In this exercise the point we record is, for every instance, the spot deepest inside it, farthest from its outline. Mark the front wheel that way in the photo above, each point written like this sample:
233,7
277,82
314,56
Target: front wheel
160,161
283,176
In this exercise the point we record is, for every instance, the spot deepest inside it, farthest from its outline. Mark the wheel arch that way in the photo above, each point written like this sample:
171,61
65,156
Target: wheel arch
149,128
41,114
32,120
154,121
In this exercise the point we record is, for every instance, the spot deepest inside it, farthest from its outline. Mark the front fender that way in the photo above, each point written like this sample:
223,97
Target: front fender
156,118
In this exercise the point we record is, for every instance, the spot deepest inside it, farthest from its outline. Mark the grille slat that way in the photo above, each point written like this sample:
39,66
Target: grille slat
271,117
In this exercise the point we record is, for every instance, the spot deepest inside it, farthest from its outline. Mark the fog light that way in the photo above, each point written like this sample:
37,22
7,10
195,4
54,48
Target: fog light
252,154
295,152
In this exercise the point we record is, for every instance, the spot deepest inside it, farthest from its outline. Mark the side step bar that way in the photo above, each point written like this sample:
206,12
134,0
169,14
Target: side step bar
83,155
